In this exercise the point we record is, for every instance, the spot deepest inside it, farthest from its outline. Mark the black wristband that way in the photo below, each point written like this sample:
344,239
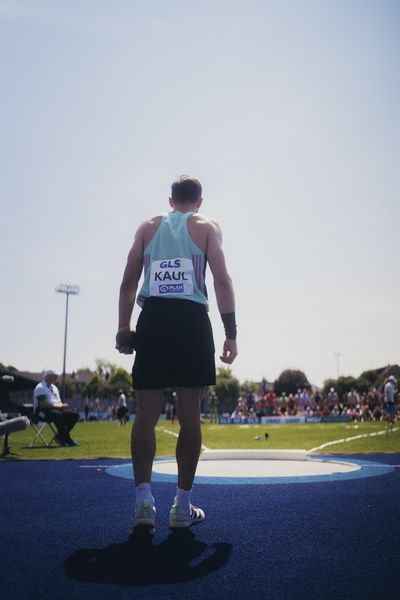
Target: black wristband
229,321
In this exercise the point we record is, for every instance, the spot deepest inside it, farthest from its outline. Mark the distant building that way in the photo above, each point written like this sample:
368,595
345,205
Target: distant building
20,390
384,372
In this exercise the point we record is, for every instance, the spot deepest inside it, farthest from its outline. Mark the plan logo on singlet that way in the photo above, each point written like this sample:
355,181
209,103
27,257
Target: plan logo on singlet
171,277
173,288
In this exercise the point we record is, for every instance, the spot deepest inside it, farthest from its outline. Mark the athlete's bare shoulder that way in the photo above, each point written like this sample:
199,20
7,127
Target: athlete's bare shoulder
201,229
205,222
156,220
151,222
148,228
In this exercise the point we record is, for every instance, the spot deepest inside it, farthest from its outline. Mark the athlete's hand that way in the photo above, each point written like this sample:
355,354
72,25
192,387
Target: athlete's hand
125,340
229,352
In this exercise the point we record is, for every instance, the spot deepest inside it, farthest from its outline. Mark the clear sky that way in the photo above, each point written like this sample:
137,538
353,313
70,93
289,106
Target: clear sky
288,113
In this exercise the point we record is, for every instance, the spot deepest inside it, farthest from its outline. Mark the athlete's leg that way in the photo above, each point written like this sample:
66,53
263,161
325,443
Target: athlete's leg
189,441
143,440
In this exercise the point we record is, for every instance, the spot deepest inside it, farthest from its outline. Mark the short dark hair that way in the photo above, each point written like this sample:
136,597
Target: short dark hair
186,189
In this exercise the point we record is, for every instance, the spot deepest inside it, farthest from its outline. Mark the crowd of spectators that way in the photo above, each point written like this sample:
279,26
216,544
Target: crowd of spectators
307,403
98,411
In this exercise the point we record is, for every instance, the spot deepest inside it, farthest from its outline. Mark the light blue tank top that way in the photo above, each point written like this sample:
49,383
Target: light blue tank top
174,266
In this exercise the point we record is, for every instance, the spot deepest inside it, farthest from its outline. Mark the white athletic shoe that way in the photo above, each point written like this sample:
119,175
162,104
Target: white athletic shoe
180,518
143,523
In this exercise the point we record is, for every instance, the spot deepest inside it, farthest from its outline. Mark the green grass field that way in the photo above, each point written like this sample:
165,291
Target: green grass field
107,439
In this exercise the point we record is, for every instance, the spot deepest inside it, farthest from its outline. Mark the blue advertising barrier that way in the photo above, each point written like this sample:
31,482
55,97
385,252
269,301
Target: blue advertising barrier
340,419
223,420
280,420
237,420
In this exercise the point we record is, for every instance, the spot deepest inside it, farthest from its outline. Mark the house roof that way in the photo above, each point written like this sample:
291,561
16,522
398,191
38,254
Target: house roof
389,370
28,379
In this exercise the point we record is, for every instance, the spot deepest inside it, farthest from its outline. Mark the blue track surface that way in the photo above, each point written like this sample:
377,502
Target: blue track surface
64,530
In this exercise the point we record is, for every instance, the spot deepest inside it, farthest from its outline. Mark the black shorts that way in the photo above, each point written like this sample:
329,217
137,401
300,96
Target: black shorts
174,345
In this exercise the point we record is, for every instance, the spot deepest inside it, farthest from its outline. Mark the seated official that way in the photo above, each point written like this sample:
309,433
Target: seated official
47,406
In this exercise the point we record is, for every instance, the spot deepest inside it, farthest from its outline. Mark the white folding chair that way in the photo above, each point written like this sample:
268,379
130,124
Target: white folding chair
39,425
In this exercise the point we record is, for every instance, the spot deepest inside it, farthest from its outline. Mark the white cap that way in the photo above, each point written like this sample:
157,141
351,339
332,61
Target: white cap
392,378
47,372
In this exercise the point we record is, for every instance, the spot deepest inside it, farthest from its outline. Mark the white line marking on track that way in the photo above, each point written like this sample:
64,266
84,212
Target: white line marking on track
383,466
97,466
350,439
165,430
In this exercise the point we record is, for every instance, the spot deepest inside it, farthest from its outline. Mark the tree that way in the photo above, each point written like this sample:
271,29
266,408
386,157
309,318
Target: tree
9,368
226,388
70,389
342,385
105,368
290,381
249,387
328,384
363,384
371,377
94,388
120,380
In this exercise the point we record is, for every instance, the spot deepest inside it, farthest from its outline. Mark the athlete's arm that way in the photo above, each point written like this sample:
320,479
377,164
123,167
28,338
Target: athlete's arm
129,285
222,281
223,288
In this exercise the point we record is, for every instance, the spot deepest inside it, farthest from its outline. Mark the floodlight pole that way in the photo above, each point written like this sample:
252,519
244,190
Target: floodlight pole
67,290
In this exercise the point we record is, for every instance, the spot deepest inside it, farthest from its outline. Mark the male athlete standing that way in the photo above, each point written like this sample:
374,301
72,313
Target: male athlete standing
390,400
174,341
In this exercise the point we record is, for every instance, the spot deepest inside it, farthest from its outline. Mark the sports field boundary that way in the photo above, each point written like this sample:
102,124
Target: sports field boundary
316,448
350,439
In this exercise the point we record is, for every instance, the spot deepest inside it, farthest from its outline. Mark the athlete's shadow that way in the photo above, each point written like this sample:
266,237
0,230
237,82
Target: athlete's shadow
177,559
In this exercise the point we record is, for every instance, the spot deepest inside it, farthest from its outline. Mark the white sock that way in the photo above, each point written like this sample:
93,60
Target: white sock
143,492
182,499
